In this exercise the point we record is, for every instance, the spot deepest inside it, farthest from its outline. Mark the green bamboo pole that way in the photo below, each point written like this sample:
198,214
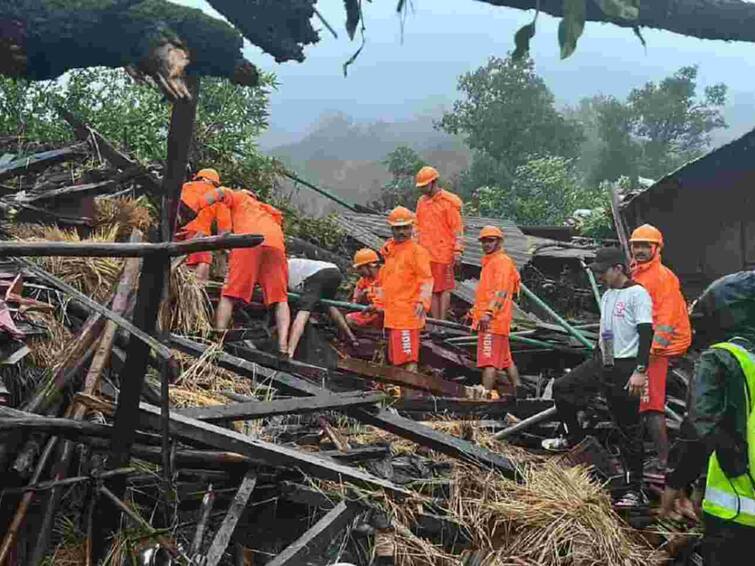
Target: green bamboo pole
557,317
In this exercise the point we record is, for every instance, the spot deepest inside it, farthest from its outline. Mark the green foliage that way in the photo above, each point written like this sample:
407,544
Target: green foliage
506,115
136,117
403,164
658,128
545,190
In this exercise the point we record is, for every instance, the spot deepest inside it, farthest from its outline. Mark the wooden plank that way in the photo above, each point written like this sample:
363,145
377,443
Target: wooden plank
266,453
479,407
107,249
39,161
321,532
264,409
86,189
67,428
279,363
405,428
104,148
93,305
223,536
400,376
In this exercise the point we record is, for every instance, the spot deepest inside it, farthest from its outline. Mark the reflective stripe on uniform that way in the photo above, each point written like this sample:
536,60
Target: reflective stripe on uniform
731,501
665,328
665,342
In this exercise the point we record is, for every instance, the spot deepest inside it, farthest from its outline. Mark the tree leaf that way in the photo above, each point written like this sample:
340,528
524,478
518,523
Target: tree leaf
522,41
571,27
353,15
621,9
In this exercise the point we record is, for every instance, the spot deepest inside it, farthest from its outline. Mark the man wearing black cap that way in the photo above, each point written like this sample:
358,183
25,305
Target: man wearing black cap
618,369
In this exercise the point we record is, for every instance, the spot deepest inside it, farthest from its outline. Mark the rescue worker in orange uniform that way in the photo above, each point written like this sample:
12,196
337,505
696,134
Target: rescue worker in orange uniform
191,192
440,230
493,310
406,285
672,333
265,264
367,264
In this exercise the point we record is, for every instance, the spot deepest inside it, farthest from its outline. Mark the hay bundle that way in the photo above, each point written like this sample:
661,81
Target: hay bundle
188,310
93,276
49,351
122,214
555,516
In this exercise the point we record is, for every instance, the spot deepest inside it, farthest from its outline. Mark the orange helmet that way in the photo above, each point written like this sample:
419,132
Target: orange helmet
365,256
490,232
208,174
647,233
426,176
401,216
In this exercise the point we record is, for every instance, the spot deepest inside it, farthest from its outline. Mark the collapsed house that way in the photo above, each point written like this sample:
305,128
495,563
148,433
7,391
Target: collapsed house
231,454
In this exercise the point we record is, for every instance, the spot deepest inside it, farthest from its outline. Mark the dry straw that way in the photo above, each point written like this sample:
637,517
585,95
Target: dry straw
122,214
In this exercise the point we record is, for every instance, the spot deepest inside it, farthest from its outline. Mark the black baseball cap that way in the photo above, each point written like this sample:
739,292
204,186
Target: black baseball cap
607,257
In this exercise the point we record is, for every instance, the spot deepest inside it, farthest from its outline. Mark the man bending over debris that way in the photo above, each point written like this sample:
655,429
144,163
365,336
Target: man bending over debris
492,311
264,264
406,283
673,334
315,280
191,193
619,368
440,231
367,264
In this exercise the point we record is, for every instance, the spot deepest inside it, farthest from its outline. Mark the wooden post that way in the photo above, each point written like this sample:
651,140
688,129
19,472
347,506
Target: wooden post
151,292
223,536
618,222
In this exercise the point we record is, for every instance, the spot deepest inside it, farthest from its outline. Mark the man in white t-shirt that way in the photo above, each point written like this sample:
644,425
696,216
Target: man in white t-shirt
313,280
618,369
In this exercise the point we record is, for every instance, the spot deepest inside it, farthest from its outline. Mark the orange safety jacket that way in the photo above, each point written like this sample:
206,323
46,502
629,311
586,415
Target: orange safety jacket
248,215
366,291
439,226
405,280
499,283
672,331
191,195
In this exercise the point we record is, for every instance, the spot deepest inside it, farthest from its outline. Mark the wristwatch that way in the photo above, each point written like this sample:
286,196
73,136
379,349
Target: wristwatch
641,369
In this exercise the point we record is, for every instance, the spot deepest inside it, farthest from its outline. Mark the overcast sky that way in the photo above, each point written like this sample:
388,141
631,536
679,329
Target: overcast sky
394,80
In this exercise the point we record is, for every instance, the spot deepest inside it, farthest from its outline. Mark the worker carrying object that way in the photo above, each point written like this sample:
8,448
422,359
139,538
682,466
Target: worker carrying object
672,332
191,192
264,264
719,427
406,289
493,310
618,369
367,265
314,280
440,230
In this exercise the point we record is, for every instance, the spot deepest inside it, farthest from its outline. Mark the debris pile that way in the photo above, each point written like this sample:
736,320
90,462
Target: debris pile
235,455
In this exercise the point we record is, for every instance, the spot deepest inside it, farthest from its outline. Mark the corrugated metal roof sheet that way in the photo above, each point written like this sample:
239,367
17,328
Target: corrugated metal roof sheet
372,230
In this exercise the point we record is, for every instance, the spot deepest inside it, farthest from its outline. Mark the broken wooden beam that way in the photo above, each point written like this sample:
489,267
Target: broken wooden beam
223,536
265,453
67,428
400,426
263,409
38,161
107,249
461,407
323,531
85,189
399,376
102,147
93,305
208,500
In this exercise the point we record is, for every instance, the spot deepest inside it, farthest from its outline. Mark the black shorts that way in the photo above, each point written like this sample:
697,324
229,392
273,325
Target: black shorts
322,285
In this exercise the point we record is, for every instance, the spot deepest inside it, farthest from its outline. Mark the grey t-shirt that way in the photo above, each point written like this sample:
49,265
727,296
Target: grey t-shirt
299,270
621,311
